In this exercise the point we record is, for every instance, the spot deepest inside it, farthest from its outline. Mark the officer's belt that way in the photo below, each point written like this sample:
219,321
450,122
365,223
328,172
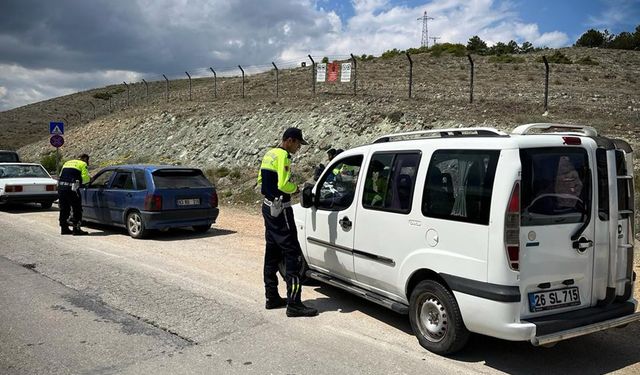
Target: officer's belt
270,203
64,183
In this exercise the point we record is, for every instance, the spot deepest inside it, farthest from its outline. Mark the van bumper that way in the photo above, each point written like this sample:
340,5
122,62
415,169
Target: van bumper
554,328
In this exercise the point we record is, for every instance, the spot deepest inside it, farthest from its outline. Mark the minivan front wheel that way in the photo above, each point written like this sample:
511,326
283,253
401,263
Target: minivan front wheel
135,225
435,318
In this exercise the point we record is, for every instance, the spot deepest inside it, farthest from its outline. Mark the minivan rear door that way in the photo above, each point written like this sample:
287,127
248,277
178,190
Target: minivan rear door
557,230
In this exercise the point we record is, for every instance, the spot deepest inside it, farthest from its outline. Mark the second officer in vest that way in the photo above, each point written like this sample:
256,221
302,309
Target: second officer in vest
73,174
281,235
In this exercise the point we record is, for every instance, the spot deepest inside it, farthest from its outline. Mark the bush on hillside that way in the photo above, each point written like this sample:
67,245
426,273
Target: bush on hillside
455,49
509,59
557,58
50,162
391,53
476,45
587,61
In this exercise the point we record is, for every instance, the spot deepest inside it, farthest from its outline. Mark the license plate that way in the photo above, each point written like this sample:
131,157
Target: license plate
188,202
553,299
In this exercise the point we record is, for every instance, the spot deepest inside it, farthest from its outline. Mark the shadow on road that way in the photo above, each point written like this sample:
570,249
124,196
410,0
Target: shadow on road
176,234
598,353
25,208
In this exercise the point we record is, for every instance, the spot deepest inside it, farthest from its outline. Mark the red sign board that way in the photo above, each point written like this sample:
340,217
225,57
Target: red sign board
333,70
56,140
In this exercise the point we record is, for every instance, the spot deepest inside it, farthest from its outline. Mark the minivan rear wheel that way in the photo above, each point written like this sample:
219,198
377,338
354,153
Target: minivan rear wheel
135,225
435,318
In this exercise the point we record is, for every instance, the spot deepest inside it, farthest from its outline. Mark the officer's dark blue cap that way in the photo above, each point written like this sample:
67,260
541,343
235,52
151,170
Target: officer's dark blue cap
294,133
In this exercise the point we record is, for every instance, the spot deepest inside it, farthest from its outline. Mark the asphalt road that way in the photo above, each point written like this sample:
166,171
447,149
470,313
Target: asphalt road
193,303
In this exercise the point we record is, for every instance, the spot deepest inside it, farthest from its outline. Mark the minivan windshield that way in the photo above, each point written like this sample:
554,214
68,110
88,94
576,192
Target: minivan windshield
555,186
180,179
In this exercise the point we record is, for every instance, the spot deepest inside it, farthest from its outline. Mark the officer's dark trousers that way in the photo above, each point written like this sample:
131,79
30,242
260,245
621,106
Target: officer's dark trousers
282,243
69,200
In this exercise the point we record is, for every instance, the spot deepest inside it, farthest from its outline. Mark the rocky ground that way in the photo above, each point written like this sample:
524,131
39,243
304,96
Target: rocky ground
227,135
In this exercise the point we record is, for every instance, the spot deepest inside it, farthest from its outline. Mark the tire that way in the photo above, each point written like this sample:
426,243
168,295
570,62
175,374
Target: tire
46,205
135,225
302,271
435,318
201,228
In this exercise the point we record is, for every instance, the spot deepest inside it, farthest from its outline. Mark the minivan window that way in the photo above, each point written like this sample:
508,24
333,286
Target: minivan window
554,186
459,185
390,181
338,184
179,179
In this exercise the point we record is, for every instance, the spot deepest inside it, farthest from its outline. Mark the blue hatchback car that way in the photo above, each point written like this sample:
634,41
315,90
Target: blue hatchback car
144,197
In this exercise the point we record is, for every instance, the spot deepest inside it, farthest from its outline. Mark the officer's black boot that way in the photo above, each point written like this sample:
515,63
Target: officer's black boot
77,231
298,309
65,230
275,302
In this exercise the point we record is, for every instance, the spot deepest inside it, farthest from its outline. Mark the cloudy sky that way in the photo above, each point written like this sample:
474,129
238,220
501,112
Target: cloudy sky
51,48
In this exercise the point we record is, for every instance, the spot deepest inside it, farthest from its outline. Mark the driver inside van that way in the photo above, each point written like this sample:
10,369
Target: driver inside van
568,184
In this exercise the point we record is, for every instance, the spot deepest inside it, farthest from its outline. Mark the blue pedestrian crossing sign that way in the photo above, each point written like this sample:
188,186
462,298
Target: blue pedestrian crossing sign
56,128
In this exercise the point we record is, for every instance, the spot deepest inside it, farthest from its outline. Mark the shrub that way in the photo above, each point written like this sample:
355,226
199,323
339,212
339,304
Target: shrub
508,59
455,49
102,95
325,60
49,162
557,58
235,174
391,53
587,61
222,172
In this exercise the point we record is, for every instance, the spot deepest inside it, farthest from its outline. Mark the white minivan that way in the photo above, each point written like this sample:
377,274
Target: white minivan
526,236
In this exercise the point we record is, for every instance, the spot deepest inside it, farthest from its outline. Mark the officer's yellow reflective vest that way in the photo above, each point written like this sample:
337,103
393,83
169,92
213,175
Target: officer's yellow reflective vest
80,166
278,161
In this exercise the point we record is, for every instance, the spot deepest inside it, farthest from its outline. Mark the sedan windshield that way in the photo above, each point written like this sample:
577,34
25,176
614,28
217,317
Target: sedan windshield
19,171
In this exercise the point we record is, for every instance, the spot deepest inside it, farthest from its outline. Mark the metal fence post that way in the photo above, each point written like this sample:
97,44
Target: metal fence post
355,74
274,65
79,116
410,73
215,79
94,109
471,80
546,82
187,73
313,74
110,109
127,86
242,70
166,88
146,85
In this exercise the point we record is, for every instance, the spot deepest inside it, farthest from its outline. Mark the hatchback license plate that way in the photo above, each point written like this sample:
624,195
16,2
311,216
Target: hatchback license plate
553,299
188,202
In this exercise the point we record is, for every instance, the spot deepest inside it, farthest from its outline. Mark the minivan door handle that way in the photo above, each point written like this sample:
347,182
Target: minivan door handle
345,223
582,244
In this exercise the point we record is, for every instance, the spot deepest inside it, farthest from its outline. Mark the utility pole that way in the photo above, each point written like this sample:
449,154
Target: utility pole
434,38
425,29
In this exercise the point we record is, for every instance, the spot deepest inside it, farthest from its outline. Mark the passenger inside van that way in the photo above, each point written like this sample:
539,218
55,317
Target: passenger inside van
439,192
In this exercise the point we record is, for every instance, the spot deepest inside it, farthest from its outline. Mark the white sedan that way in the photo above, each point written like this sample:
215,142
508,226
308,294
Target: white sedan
27,183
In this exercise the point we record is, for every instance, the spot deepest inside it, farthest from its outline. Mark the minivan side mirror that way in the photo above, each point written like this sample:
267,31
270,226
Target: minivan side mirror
307,196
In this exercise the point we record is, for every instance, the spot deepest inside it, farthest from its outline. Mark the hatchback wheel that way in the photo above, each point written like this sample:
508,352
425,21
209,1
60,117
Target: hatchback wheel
435,318
46,205
201,228
135,225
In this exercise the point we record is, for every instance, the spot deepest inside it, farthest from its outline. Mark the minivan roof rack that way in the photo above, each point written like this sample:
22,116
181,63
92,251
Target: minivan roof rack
441,133
556,128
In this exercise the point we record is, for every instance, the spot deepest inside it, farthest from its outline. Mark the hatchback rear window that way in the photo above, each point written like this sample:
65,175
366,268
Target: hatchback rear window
555,186
179,179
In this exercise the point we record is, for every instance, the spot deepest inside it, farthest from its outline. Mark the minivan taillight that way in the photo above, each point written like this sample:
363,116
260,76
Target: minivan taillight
512,229
13,188
213,200
153,202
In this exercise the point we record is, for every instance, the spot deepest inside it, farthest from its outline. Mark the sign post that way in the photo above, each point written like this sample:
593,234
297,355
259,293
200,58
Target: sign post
56,130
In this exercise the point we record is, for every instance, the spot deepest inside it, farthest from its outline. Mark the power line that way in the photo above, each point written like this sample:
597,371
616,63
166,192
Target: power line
425,29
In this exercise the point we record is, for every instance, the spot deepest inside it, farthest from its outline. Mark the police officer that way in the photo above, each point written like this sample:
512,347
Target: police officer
73,174
280,227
